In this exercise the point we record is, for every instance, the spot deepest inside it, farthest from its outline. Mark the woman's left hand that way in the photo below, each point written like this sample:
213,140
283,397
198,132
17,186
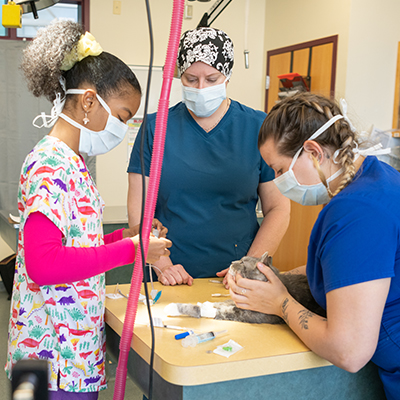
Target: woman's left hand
265,297
160,227
224,273
130,232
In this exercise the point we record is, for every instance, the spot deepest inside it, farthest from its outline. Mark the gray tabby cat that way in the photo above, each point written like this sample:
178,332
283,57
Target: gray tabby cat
296,284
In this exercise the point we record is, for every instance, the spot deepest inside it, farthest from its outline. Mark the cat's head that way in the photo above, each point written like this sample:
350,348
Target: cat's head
247,267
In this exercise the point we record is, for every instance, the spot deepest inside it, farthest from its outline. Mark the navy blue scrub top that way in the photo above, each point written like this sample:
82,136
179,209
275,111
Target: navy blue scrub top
208,187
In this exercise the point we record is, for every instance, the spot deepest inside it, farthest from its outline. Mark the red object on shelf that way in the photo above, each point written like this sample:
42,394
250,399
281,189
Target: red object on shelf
288,79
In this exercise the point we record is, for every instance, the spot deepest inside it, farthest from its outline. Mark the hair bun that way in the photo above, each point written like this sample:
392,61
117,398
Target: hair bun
44,56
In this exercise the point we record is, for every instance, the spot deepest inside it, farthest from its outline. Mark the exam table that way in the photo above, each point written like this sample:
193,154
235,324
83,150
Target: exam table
273,364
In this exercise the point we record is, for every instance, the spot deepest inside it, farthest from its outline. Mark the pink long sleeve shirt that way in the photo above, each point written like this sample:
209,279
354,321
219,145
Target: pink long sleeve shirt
48,262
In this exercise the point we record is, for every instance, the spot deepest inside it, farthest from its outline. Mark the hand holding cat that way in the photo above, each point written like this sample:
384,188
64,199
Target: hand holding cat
265,297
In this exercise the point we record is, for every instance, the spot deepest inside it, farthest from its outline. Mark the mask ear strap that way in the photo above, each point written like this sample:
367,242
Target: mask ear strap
103,103
324,127
296,156
50,120
317,133
82,91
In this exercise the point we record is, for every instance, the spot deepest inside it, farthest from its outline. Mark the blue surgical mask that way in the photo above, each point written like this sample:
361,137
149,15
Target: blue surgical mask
307,195
95,143
204,102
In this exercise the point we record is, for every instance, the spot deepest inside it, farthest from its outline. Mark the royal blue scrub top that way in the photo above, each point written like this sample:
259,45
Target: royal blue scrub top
208,187
355,239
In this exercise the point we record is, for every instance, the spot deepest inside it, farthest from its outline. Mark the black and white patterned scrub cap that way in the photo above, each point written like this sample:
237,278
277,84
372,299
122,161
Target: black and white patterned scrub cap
209,45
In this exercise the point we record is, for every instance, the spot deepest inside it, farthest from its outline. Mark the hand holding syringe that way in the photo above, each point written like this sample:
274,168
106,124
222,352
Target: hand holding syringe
155,294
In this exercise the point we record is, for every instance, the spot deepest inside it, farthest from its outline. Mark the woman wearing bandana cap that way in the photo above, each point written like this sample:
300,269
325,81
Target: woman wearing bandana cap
212,170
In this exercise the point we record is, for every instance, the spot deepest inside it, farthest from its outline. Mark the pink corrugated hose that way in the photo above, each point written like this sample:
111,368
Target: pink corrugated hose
155,174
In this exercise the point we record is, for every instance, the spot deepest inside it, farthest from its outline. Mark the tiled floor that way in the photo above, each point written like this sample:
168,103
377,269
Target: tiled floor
131,391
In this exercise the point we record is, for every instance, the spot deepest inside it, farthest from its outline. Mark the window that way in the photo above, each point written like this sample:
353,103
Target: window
75,10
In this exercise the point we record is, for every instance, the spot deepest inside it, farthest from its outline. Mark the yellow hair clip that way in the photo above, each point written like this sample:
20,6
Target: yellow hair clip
86,46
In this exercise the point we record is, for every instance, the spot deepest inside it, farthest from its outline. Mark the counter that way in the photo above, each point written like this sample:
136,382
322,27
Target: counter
8,231
273,363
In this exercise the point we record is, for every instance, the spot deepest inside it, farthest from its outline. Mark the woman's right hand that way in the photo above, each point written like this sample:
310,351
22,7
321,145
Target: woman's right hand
175,275
169,274
158,247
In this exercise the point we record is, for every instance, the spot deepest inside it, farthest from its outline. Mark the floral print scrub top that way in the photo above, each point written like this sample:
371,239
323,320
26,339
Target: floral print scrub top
61,323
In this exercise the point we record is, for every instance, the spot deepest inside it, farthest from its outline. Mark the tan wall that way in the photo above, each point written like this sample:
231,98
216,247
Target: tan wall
367,48
289,22
371,64
126,36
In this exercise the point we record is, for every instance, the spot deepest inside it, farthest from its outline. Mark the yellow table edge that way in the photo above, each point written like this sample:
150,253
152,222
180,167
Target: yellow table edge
221,371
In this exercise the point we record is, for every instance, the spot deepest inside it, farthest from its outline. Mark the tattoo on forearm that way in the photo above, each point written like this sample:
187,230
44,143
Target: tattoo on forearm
304,316
293,272
284,310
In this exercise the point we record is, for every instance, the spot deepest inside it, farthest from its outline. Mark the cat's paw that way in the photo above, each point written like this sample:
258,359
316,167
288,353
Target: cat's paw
207,309
172,310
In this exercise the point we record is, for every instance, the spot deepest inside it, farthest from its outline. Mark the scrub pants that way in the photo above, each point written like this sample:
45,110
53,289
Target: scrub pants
63,395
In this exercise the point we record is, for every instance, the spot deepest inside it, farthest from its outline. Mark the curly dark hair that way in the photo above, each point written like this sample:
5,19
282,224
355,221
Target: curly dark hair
44,56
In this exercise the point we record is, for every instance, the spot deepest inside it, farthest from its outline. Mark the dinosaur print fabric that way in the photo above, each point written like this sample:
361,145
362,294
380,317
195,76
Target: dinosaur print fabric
61,323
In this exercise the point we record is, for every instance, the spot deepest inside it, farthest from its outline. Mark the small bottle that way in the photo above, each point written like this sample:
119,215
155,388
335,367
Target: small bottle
193,340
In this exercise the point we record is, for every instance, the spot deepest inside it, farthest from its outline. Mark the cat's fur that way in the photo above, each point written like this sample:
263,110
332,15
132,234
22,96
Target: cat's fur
296,284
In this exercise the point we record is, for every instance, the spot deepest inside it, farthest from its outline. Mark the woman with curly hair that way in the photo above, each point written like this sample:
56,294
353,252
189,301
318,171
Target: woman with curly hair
57,309
213,173
353,264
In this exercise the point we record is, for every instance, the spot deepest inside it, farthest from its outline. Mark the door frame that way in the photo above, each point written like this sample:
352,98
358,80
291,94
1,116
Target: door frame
305,45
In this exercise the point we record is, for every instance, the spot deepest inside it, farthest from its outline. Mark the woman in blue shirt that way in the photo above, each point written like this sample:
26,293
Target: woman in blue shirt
212,171
353,264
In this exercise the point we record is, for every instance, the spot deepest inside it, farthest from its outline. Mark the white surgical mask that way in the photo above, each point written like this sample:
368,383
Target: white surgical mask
90,142
307,195
204,102
95,143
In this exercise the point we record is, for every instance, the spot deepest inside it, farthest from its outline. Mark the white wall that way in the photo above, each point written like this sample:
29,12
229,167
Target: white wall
371,63
289,22
126,36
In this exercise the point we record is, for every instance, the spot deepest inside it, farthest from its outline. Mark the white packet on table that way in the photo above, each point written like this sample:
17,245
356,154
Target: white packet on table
228,349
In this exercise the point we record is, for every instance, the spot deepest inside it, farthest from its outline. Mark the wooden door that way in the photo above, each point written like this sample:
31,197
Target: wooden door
396,104
318,60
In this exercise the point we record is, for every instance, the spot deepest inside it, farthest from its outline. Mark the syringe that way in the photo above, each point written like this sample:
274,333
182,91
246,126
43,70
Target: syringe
155,294
193,340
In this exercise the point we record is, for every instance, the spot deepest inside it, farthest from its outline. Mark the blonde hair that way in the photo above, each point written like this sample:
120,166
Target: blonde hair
293,120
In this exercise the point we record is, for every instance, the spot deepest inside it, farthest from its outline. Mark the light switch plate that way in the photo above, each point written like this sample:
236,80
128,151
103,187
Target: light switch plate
188,14
117,7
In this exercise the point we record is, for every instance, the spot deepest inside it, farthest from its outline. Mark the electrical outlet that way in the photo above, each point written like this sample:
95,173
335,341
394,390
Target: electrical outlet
116,7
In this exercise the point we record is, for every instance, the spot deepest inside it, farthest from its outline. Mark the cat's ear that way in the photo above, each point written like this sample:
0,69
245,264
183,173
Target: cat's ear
266,259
